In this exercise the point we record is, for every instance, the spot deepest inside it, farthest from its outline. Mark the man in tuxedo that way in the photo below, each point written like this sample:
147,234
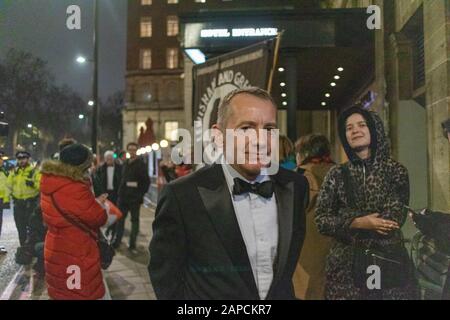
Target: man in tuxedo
230,231
108,177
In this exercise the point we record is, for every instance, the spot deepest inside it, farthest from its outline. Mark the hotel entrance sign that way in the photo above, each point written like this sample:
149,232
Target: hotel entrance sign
238,32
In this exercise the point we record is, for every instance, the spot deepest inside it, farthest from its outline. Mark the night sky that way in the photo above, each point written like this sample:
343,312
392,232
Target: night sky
39,27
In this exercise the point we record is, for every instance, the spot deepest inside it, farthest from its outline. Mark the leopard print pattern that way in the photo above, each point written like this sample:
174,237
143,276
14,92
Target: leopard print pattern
382,186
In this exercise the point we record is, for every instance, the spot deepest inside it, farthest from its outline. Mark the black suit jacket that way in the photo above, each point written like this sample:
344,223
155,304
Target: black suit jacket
101,177
197,250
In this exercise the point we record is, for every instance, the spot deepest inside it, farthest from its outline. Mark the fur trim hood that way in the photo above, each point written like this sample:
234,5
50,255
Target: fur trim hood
57,168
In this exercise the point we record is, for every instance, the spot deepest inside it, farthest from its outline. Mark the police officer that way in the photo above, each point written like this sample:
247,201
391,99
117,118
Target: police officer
4,195
23,183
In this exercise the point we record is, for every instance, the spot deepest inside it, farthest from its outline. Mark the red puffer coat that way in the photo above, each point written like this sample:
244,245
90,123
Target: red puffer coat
65,244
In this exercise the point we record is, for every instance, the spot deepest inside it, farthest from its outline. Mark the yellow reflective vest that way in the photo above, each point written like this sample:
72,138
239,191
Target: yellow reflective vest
4,191
23,183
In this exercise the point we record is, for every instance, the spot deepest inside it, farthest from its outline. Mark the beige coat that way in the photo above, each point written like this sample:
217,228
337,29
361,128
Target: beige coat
309,276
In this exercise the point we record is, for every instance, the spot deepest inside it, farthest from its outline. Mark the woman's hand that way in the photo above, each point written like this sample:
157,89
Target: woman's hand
102,198
375,223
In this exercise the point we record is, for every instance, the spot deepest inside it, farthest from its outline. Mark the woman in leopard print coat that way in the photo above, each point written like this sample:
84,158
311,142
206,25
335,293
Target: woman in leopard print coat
381,189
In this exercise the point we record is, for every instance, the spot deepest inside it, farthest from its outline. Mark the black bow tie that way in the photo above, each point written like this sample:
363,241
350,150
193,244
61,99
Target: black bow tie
264,189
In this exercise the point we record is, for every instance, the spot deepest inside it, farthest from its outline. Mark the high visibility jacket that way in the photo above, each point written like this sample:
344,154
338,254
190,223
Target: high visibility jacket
23,183
4,191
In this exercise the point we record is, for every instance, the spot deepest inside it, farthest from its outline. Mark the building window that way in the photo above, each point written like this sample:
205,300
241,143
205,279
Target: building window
172,1
200,1
172,58
171,130
172,91
172,26
146,27
146,59
146,2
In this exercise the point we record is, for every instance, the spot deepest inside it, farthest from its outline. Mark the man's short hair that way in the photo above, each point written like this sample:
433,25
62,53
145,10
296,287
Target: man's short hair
108,153
223,112
132,144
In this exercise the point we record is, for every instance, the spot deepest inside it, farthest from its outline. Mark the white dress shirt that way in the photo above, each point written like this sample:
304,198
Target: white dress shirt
110,178
258,221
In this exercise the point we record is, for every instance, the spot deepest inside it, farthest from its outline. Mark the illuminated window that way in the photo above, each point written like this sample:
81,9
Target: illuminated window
200,1
172,58
140,124
172,26
146,2
172,1
171,130
146,27
146,59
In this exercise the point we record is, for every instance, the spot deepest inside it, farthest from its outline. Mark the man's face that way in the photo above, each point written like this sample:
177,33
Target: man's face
357,132
250,112
132,150
23,162
109,159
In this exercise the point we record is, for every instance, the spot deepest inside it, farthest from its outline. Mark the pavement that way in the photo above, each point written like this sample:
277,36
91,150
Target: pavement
126,279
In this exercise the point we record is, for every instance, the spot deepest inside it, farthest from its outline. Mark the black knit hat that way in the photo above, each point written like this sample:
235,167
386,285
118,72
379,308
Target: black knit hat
76,155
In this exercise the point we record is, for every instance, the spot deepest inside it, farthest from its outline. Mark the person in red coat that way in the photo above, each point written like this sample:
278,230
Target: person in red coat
72,258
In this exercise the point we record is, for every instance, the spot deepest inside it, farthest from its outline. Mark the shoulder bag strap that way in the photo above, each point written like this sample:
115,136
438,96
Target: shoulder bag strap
74,221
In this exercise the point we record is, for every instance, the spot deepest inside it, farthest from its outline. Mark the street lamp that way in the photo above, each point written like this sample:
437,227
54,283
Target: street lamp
94,101
81,59
30,126
164,143
155,146
81,116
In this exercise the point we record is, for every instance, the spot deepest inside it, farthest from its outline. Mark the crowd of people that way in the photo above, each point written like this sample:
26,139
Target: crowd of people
228,230
65,205
312,231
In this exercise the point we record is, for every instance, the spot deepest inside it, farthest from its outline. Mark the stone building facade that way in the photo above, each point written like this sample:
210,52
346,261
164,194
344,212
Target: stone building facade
412,78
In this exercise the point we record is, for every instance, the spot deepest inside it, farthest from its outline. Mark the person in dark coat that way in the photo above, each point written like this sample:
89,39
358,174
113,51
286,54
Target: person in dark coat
371,215
108,177
446,291
36,239
314,161
134,185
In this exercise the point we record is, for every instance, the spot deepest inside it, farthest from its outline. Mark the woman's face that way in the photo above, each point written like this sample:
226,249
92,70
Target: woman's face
357,132
299,159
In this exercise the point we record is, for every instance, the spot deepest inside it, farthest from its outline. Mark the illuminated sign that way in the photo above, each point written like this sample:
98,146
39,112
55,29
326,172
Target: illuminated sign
238,32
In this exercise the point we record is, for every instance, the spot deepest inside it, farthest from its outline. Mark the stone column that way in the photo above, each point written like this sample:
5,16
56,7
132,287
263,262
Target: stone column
399,83
437,69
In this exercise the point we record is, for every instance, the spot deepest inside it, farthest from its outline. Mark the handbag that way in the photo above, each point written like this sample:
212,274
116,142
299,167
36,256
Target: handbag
393,261
107,252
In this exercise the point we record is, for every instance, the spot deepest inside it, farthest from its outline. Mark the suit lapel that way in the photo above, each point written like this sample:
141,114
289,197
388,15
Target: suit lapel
284,193
216,198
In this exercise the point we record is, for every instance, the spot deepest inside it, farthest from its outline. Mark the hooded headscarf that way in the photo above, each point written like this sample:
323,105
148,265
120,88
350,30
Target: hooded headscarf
379,145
